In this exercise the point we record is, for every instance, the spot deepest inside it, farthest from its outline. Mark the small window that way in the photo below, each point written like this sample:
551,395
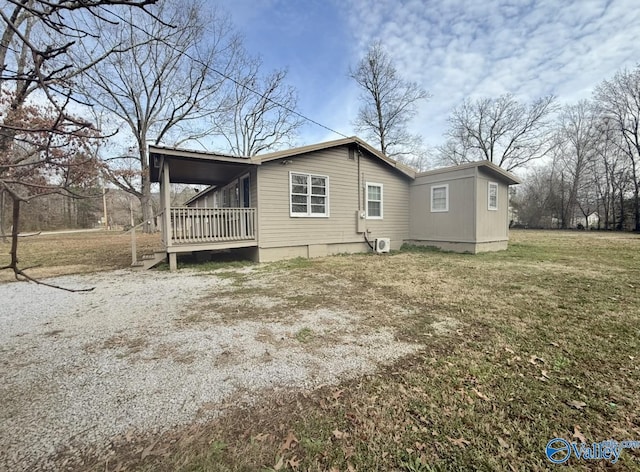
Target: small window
493,196
308,195
374,201
440,198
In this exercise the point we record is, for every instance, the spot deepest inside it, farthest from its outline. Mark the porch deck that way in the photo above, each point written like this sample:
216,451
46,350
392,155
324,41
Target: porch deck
190,229
193,228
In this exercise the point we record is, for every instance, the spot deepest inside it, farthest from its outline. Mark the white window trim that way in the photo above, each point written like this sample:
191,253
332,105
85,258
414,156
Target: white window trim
366,188
309,214
492,184
440,210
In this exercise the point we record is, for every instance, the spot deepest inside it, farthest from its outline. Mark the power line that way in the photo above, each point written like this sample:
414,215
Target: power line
244,86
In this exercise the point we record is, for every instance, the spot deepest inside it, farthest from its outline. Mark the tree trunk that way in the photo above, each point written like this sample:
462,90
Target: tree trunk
147,214
15,219
622,217
3,236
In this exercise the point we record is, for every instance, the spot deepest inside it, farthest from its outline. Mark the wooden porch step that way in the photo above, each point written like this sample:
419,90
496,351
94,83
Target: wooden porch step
150,260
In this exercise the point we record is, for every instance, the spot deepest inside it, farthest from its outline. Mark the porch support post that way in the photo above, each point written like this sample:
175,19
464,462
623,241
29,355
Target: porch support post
173,261
165,196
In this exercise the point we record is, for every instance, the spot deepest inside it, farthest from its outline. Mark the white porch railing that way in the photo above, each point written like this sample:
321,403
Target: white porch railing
203,225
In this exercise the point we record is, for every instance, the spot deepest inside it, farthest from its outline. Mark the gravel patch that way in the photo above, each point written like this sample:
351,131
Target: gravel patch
77,369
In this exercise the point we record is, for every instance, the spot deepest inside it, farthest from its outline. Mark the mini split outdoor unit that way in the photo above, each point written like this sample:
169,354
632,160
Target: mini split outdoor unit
382,245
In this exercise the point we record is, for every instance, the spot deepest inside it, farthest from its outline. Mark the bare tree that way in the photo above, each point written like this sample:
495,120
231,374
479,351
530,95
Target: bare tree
500,130
388,103
536,202
610,171
162,88
619,101
261,111
576,140
38,136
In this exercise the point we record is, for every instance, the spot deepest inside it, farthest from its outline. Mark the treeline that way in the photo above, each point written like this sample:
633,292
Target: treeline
579,162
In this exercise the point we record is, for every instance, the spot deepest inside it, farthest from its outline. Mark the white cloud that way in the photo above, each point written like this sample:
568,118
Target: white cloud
459,49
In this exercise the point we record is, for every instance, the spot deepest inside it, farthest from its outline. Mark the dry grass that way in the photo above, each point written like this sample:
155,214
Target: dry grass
75,253
521,346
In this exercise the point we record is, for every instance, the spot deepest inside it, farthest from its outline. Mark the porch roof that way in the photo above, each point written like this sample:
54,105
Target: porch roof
196,167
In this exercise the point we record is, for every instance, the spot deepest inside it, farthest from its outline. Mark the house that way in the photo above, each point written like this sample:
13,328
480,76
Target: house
327,198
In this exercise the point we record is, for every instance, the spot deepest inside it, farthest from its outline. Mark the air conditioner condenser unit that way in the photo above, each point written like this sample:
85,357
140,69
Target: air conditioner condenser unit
382,245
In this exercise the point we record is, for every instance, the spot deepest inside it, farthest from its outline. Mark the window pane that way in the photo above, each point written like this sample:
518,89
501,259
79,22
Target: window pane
299,208
299,189
374,209
299,199
317,200
318,181
318,190
298,179
374,193
317,209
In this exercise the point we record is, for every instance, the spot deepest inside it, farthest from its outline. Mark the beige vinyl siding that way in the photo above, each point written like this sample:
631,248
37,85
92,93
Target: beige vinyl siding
456,224
204,202
395,208
278,229
492,225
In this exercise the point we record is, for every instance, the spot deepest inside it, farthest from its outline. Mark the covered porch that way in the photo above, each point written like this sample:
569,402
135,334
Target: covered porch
224,217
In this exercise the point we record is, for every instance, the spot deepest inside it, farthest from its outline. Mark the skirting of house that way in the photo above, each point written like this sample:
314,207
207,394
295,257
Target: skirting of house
261,254
463,246
311,250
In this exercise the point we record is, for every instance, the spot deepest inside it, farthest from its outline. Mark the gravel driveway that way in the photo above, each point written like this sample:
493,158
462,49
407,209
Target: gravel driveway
146,351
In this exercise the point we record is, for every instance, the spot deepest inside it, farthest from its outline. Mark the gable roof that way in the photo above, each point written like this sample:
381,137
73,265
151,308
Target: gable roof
488,166
192,160
408,171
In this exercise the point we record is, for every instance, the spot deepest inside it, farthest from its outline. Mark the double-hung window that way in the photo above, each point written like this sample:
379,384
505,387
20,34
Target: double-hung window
374,201
308,194
493,196
440,198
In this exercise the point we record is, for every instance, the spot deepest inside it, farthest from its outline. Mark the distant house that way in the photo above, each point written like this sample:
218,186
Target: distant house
593,220
341,196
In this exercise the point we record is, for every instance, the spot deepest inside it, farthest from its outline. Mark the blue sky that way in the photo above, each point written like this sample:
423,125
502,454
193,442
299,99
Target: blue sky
452,48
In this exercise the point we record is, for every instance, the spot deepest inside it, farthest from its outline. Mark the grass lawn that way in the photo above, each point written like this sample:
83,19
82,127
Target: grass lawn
541,341
74,253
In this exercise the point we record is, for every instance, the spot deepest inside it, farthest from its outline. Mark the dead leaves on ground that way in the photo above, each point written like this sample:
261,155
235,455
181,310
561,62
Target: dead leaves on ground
289,441
504,444
460,442
339,434
480,395
577,404
577,434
